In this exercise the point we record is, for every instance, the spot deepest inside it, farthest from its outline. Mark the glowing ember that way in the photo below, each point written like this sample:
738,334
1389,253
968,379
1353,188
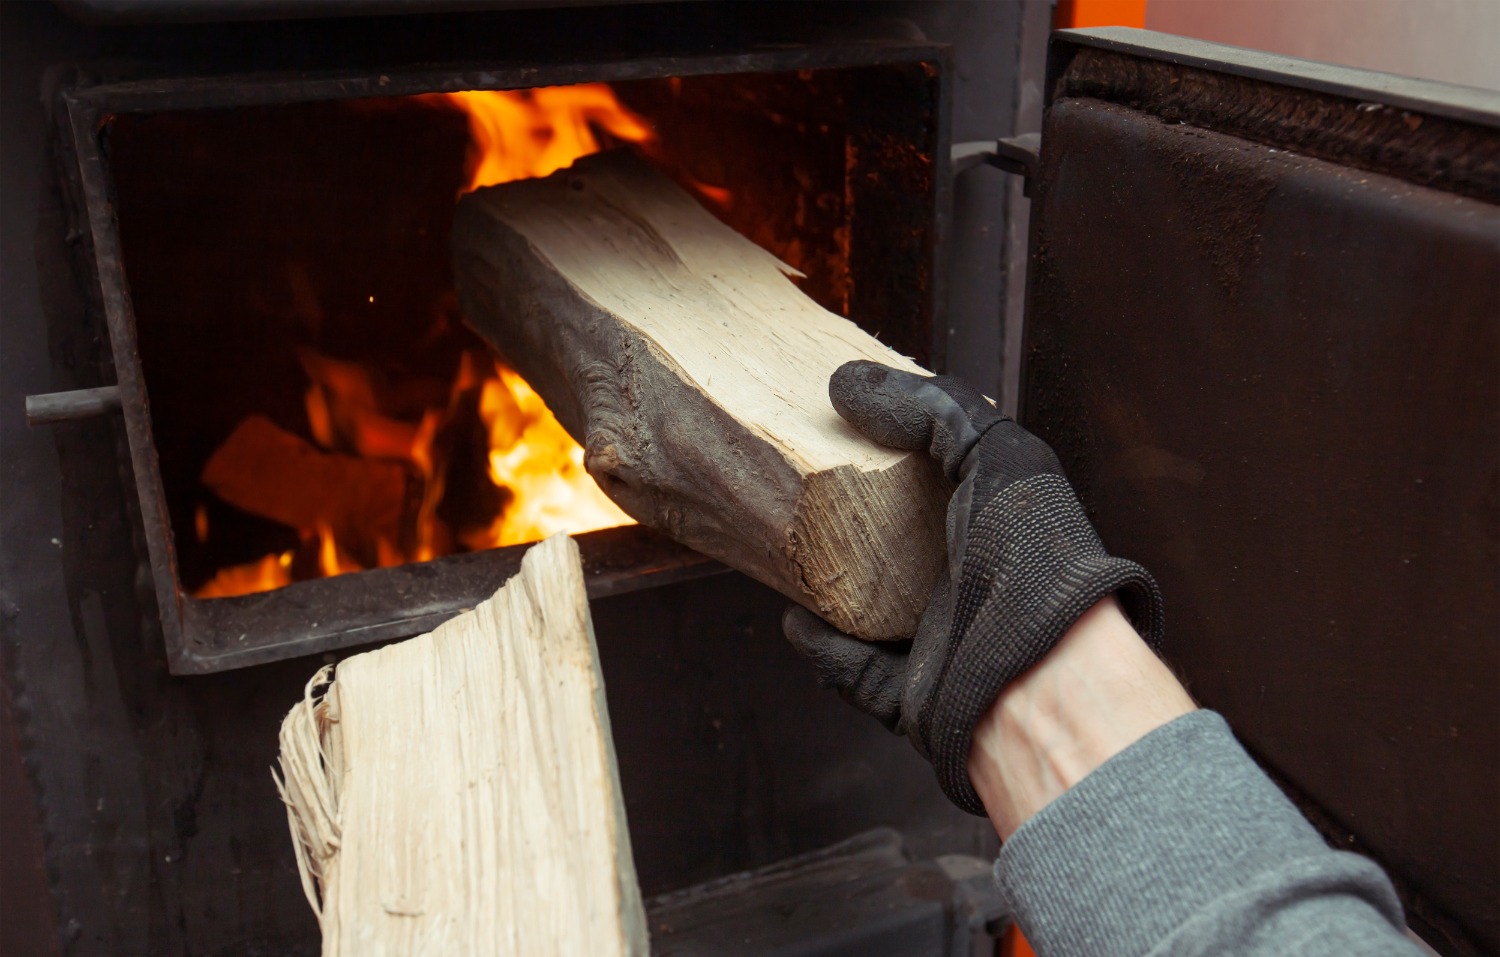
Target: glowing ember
539,485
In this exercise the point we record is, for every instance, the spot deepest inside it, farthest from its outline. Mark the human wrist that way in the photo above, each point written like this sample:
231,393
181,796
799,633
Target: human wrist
1096,693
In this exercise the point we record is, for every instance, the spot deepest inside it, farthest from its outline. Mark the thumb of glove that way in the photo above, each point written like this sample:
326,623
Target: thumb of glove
869,676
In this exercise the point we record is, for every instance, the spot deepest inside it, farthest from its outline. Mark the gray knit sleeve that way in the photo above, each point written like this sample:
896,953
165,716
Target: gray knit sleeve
1181,845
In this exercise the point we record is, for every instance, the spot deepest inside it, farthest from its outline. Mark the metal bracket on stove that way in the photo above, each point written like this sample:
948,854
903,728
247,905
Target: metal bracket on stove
1016,154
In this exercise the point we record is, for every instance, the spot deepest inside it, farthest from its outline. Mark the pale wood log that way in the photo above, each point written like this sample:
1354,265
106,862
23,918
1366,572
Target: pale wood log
457,793
695,375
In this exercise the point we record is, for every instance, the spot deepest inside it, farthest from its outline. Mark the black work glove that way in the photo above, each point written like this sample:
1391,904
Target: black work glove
1023,565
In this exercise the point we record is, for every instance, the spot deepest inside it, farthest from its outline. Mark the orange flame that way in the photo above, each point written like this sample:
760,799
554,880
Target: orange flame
518,134
534,457
535,466
270,572
331,559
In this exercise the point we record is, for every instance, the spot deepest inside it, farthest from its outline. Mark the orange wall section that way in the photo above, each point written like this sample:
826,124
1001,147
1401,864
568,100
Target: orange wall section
1014,944
1100,13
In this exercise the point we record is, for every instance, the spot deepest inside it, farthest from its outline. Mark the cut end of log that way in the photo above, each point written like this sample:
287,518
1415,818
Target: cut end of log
847,519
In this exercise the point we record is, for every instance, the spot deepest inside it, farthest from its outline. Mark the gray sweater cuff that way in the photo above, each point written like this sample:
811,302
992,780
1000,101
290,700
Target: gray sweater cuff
1172,843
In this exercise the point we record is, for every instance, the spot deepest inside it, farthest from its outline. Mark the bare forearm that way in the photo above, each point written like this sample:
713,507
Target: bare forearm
1096,693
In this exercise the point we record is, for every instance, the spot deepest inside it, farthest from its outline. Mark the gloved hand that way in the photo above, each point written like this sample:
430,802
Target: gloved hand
1023,565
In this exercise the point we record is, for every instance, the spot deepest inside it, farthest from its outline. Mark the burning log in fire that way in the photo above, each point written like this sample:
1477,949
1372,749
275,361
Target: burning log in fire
268,471
393,471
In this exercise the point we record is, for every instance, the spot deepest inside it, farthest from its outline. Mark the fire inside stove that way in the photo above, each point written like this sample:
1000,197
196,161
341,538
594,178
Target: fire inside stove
318,405
381,471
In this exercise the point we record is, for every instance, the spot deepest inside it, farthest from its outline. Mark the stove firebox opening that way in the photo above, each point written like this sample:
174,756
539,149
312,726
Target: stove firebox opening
317,404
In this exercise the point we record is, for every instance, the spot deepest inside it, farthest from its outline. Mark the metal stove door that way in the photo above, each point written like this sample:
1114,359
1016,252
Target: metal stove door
1263,333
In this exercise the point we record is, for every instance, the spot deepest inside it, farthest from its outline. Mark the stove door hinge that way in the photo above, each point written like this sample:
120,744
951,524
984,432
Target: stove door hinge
1016,154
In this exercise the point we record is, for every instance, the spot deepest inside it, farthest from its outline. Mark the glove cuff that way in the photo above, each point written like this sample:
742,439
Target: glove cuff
978,675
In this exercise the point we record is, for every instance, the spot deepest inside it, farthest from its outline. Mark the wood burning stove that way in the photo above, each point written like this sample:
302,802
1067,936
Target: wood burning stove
149,760
1176,284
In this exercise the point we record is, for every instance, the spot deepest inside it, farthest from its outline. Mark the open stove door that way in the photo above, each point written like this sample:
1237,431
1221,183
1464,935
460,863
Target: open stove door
1263,334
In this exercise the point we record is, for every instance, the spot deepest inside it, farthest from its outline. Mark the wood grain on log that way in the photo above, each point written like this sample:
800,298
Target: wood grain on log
695,374
457,793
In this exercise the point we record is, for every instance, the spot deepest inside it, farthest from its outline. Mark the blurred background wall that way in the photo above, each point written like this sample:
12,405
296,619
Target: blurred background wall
1456,41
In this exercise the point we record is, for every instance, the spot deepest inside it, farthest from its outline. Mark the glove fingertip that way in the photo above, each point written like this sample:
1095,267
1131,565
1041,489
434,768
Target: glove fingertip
839,658
866,675
806,631
878,401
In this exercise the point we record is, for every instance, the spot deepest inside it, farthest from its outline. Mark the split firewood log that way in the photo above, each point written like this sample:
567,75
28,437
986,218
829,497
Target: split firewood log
695,375
457,793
